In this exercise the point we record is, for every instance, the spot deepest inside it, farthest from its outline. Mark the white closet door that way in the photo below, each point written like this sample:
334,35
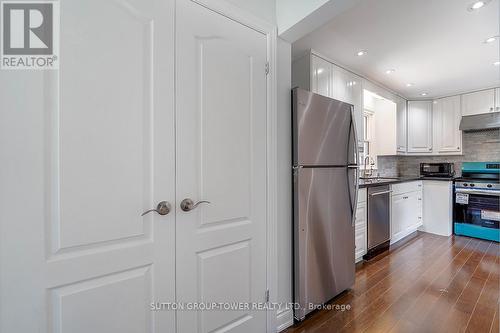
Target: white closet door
221,157
92,147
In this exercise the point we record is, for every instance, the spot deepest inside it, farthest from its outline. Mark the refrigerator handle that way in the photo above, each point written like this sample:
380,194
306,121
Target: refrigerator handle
354,203
355,135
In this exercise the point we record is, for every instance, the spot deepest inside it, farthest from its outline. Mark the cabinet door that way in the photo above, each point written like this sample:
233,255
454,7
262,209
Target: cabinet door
360,231
398,214
401,117
419,126
414,205
342,85
321,76
357,101
446,121
478,102
497,99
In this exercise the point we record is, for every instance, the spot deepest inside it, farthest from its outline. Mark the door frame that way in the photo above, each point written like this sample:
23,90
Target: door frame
241,16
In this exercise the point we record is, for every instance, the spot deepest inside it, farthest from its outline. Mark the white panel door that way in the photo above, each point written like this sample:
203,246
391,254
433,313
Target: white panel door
478,102
77,256
446,121
321,76
221,157
419,126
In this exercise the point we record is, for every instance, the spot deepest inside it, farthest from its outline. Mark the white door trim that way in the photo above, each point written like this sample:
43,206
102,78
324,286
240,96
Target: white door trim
237,14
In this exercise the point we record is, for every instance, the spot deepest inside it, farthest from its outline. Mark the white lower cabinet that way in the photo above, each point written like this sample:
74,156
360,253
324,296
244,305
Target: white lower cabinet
406,209
438,207
360,228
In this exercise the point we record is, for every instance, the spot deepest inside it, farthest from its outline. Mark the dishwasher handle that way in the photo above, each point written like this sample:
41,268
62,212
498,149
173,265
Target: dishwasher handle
380,193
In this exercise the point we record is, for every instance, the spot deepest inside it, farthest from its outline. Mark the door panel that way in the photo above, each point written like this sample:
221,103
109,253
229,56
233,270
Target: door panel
221,157
324,236
322,128
105,123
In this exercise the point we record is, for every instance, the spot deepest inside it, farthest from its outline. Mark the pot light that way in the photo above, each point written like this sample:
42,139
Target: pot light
320,70
409,84
477,5
390,71
423,94
361,53
491,39
496,63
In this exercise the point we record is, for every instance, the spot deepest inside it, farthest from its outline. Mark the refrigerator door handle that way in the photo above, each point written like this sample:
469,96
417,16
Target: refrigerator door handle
354,203
355,134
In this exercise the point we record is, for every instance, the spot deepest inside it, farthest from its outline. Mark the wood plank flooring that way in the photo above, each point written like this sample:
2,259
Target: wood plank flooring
426,283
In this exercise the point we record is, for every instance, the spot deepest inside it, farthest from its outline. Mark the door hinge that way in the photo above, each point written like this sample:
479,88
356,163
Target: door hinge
267,68
267,295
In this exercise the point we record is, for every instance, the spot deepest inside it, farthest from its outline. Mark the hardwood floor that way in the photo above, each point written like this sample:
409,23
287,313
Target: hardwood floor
427,283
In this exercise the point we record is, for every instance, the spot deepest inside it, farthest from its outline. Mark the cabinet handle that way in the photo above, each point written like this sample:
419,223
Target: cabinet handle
420,217
491,109
419,199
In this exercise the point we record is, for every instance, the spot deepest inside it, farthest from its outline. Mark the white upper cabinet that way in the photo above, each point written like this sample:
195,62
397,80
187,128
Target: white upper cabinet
401,115
321,76
478,102
419,126
342,85
497,99
446,121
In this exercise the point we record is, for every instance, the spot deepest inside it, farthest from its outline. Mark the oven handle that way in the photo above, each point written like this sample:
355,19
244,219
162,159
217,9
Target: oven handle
491,193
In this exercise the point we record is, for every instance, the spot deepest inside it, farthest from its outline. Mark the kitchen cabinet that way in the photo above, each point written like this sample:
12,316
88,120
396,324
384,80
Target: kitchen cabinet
446,116
360,227
406,209
314,73
497,99
342,85
419,127
321,76
479,102
401,119
438,207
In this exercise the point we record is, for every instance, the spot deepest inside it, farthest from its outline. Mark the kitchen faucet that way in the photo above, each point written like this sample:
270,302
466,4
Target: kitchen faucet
369,160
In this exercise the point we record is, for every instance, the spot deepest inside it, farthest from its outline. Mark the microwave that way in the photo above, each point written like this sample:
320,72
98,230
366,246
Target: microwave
437,169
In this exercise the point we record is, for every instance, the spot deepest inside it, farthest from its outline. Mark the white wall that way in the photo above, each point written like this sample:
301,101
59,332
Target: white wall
264,9
289,12
284,179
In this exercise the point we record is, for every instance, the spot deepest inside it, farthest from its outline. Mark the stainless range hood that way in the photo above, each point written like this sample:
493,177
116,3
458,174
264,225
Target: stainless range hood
483,121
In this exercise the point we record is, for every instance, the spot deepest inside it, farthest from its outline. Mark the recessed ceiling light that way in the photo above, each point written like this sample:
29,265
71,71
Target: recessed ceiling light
423,94
390,71
409,84
491,39
320,70
477,5
496,63
361,53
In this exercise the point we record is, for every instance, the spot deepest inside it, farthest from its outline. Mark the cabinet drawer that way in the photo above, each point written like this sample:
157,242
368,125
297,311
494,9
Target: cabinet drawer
406,187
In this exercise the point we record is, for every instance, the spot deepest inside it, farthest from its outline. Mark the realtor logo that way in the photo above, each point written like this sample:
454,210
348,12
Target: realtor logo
30,35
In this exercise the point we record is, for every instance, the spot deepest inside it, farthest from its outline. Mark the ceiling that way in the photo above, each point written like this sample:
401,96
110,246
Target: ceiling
438,45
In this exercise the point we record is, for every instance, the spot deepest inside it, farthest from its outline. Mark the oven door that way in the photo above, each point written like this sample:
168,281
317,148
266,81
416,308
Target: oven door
476,213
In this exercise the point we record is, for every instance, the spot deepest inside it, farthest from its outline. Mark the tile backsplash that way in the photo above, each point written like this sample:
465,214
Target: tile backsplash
476,147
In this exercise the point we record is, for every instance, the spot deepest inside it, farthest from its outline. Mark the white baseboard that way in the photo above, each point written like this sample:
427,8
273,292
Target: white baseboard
284,319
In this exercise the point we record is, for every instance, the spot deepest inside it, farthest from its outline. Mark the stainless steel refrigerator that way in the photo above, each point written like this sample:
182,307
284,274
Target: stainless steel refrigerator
325,187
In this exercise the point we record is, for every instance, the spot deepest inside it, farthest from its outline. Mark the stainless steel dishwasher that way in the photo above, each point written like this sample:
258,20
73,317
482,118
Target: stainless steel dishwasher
379,219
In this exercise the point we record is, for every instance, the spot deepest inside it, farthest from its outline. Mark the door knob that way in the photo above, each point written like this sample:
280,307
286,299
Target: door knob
188,204
163,208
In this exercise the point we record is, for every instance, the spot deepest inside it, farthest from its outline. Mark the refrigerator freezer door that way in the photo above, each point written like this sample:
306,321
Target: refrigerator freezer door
321,130
324,236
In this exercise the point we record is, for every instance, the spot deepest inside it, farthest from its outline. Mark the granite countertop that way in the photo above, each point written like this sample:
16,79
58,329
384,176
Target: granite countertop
394,180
